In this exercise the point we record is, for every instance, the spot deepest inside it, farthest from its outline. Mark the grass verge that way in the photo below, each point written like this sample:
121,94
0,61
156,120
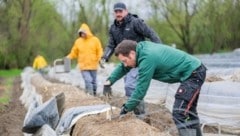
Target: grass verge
7,81
10,73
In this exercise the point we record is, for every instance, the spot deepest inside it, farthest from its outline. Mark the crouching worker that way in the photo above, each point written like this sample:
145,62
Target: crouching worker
166,64
40,64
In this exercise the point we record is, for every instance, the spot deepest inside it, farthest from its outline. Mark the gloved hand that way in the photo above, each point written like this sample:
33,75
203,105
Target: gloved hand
107,90
123,110
102,62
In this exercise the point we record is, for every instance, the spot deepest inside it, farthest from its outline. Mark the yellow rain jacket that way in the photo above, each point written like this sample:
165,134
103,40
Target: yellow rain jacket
87,50
39,62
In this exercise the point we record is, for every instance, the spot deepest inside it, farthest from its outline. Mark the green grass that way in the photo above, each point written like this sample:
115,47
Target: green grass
8,77
10,73
4,100
8,83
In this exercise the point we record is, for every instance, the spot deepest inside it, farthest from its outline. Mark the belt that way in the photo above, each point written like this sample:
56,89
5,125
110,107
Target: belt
200,68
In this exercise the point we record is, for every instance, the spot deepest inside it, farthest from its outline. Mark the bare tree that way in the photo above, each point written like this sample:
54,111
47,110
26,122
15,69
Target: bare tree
96,15
179,15
23,27
29,26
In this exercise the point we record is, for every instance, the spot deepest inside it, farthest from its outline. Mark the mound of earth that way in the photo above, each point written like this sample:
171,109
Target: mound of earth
158,122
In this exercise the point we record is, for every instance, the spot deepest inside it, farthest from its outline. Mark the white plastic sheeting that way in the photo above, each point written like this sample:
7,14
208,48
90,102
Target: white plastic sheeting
70,117
29,94
222,60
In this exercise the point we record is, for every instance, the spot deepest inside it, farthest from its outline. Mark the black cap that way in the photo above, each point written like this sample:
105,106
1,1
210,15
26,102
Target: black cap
119,6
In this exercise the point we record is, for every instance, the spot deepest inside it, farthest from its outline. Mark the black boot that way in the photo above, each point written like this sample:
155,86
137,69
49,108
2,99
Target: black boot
94,92
197,127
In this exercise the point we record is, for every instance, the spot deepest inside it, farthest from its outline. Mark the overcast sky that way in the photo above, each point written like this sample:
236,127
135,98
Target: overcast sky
138,7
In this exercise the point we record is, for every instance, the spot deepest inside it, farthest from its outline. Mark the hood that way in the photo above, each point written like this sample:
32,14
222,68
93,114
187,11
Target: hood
129,17
84,28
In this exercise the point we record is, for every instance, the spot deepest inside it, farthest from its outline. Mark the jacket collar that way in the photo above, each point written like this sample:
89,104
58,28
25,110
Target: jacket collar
126,19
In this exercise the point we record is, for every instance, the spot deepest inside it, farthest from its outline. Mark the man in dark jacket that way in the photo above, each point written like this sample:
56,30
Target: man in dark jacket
166,64
128,26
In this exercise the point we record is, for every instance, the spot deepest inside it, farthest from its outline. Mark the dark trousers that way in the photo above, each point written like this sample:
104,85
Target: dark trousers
184,112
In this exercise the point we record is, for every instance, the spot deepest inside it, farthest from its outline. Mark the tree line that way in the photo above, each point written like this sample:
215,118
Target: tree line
31,27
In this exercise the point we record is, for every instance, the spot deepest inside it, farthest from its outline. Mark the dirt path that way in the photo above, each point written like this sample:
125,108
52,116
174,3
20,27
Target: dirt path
12,116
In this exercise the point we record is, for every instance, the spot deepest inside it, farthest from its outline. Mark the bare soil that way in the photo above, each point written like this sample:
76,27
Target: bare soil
157,115
12,115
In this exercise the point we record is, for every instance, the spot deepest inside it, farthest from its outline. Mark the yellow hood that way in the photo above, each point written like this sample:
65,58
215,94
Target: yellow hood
84,28
88,50
39,62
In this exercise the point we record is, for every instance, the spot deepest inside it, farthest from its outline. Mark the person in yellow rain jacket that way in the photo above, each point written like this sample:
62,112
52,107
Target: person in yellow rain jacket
40,63
88,50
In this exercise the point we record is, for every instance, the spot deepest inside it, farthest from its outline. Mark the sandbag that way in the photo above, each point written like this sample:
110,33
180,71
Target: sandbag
47,113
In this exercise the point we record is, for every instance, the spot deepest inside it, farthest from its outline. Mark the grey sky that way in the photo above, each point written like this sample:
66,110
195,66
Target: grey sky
139,7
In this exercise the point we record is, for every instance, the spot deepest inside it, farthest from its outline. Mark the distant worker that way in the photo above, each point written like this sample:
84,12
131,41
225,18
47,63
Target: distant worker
128,26
88,50
165,64
40,63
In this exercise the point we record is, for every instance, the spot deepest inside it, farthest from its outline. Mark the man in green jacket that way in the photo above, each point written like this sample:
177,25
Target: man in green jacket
166,64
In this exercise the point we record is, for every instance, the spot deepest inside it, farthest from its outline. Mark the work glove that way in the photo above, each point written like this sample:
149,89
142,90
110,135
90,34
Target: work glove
102,63
123,110
107,90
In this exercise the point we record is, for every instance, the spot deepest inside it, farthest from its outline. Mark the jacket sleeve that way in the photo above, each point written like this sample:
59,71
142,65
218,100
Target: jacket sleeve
118,73
44,62
142,28
74,52
99,49
110,47
145,74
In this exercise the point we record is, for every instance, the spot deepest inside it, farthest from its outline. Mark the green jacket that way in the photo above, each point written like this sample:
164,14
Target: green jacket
159,62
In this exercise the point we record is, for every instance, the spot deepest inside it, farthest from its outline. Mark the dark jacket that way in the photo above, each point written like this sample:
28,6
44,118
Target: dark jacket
132,28
162,63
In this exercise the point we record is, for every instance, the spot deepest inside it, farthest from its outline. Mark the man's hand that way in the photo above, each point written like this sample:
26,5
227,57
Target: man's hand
102,62
107,90
123,110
